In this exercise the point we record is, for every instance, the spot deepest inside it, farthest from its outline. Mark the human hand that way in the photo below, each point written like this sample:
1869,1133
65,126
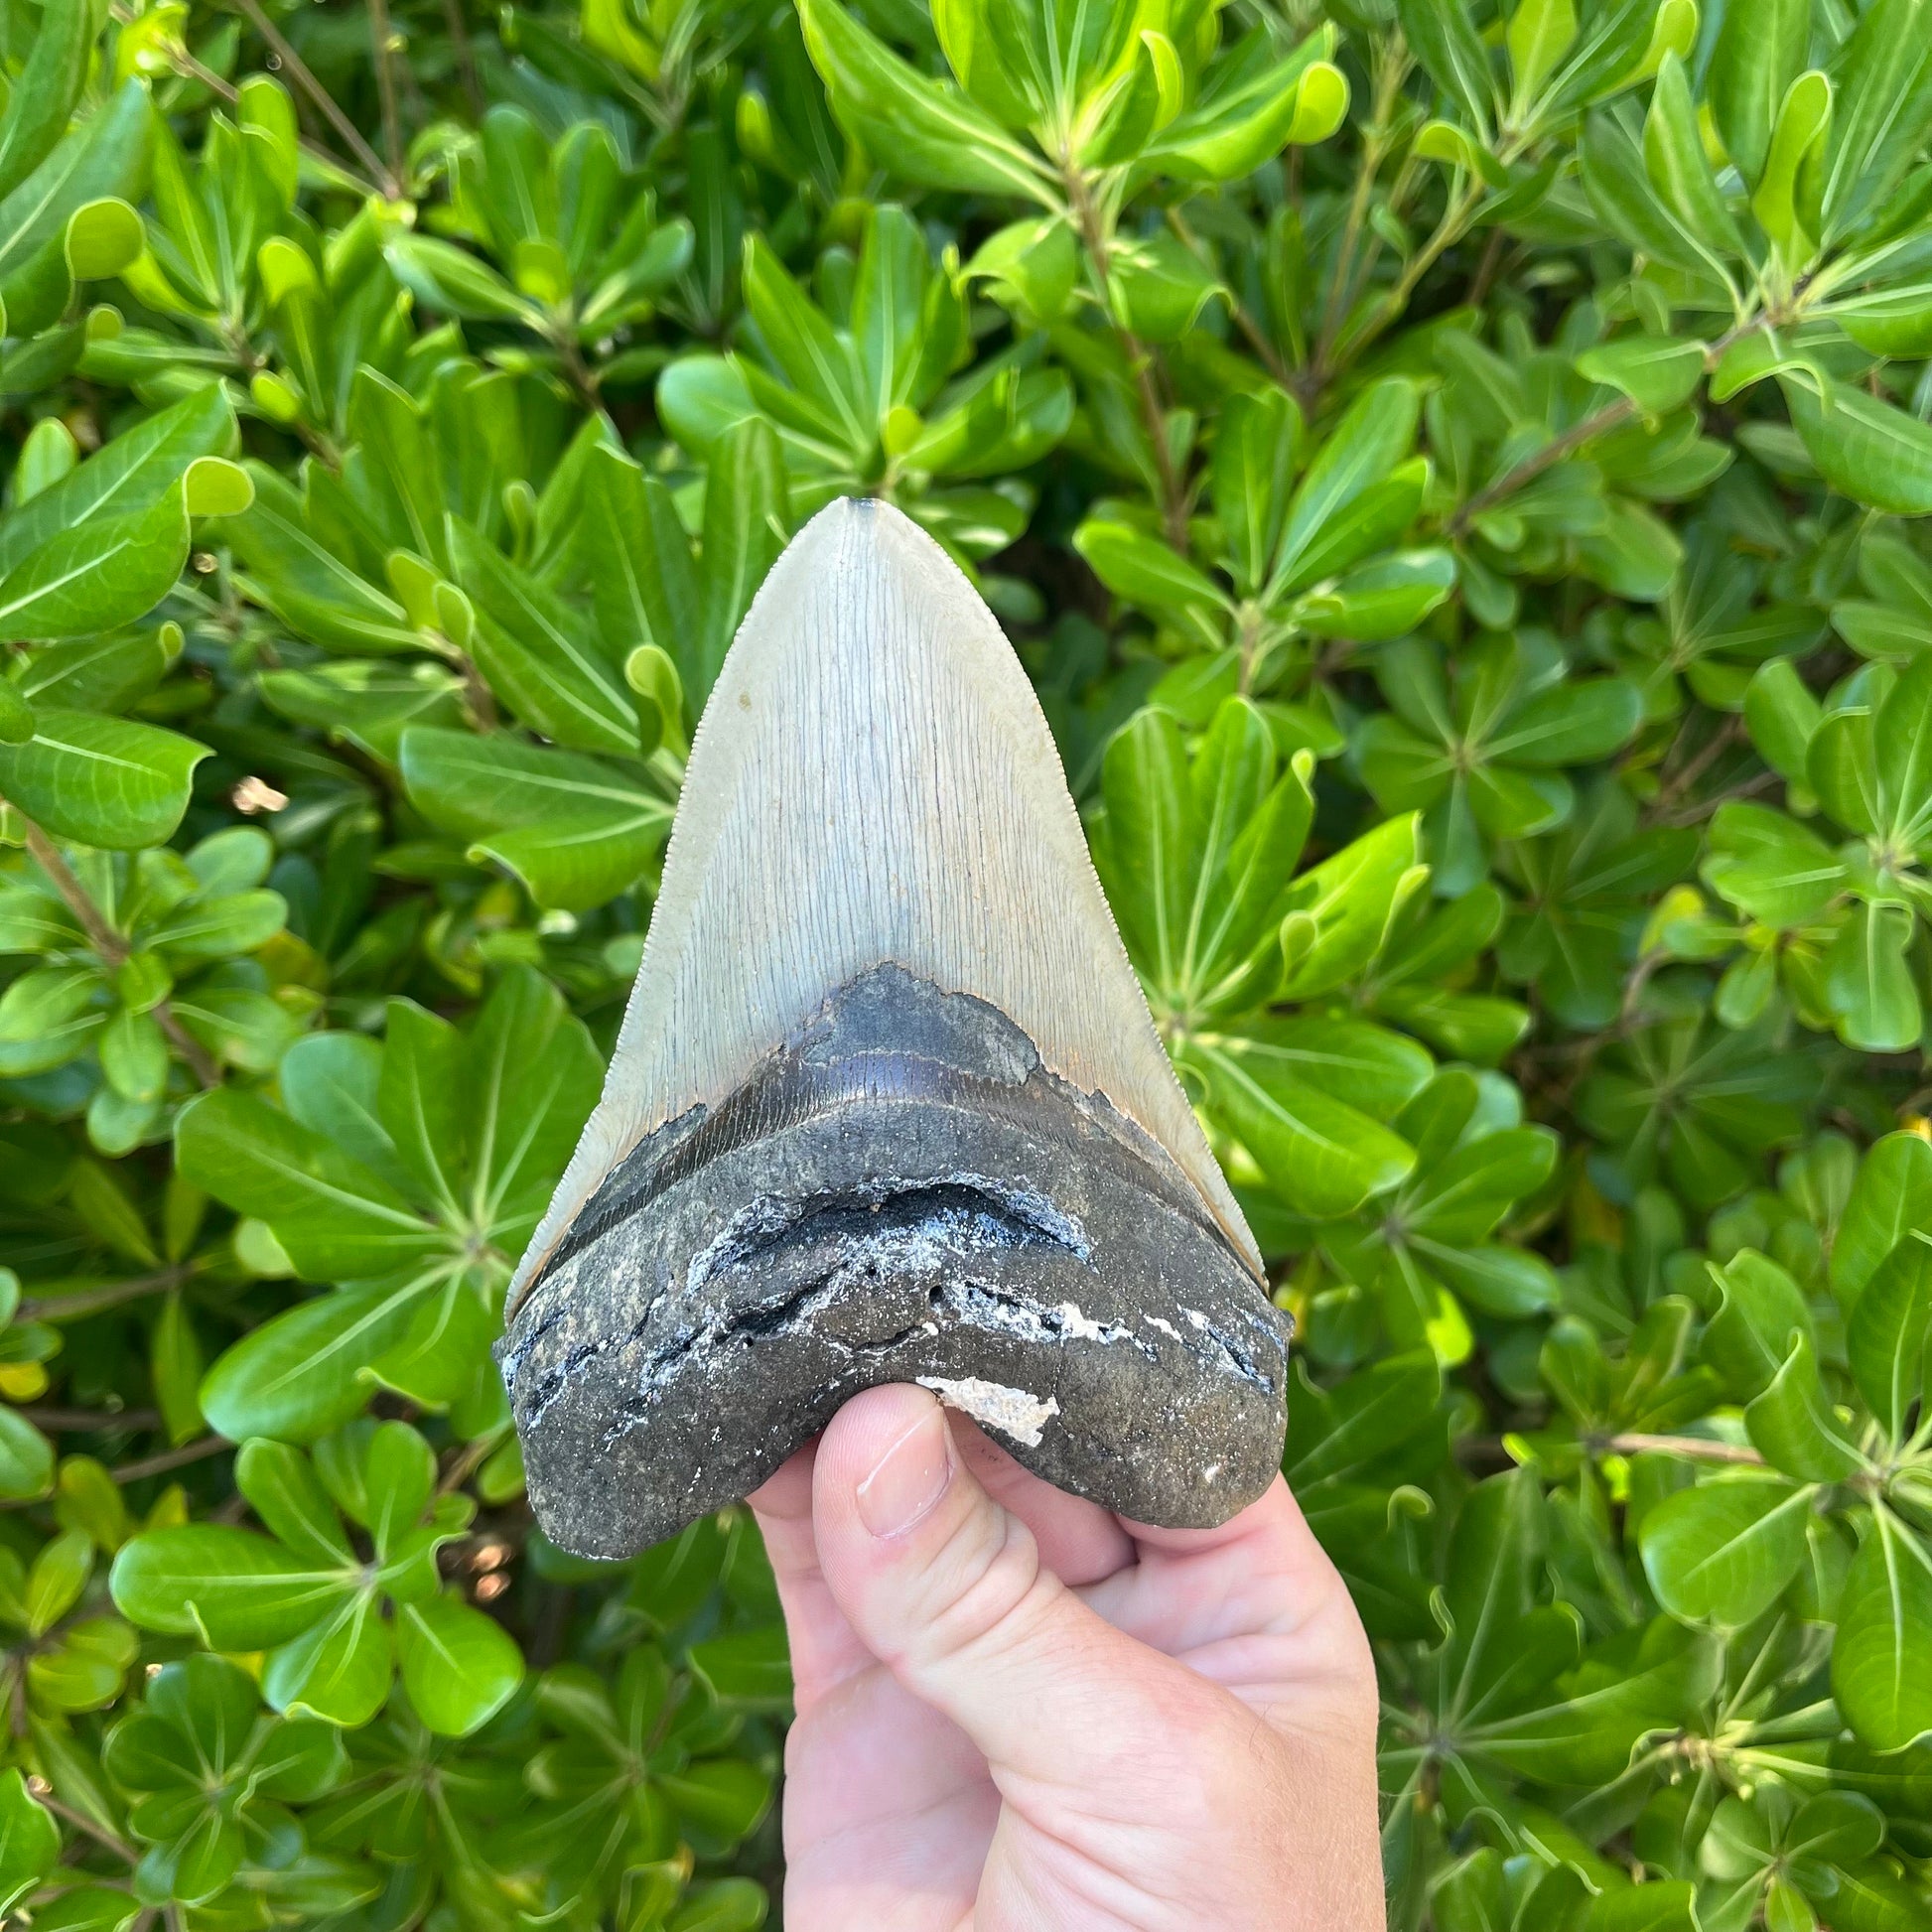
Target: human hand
1019,1713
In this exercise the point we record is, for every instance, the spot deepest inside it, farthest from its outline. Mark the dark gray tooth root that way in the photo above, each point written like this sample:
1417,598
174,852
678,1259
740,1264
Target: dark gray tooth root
887,1105
904,1193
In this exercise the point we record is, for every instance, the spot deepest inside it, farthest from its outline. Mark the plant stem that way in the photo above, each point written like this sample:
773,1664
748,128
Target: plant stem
91,1300
1675,783
189,69
81,1422
1699,1448
476,695
1249,327
113,949
1390,71
1485,274
155,1465
465,55
1611,417
304,78
215,83
1174,503
1448,230
83,1822
467,1462
386,82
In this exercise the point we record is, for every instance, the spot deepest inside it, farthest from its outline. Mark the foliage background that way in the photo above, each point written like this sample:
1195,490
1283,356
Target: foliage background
1454,473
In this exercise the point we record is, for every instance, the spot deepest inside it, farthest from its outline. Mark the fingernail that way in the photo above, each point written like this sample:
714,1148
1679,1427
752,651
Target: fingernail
909,1478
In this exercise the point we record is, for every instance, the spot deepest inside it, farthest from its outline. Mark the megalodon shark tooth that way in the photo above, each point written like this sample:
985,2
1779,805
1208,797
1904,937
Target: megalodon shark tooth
887,1105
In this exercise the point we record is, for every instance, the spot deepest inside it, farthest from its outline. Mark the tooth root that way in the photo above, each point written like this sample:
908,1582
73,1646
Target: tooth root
874,781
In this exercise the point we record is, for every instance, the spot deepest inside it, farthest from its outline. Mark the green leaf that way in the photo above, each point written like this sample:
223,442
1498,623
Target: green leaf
452,281
306,1371
106,572
1890,322
30,1841
746,525
1883,81
1726,1549
1323,1156
540,655
458,1666
1445,41
749,1670
1750,1336
1886,1337
1254,467
934,133
1540,33
1679,171
104,781
1349,900
104,157
230,1588
132,472
1869,982
531,1078
574,830
1657,373
1659,1905
341,1667
1617,180
1793,1424
641,579
44,97
1251,109
1372,437
1153,577
1759,54
283,1489
1770,866
335,1217
25,1459
302,578
1872,452
1881,1655
1891,1197
54,1584
1782,716
1334,1433
1789,177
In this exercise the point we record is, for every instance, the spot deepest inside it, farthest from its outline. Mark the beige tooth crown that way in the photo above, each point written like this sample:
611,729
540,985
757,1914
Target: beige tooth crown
874,781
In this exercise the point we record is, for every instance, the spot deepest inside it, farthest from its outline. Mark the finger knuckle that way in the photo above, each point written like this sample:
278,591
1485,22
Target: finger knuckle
993,1587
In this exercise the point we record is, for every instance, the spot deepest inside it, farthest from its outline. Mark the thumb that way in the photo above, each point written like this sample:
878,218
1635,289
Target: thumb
946,1588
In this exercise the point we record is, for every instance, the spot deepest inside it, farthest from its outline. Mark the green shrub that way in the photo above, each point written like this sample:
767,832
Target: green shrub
1450,469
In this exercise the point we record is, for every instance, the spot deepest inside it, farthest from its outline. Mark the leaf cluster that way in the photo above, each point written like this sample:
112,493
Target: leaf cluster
1456,472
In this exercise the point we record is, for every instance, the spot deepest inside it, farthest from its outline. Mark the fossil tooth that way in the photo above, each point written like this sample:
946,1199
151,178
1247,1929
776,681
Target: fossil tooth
887,1105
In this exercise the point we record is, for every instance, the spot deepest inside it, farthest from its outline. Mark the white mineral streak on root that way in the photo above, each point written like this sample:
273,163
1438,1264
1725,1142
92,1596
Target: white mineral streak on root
1013,1411
1077,1326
